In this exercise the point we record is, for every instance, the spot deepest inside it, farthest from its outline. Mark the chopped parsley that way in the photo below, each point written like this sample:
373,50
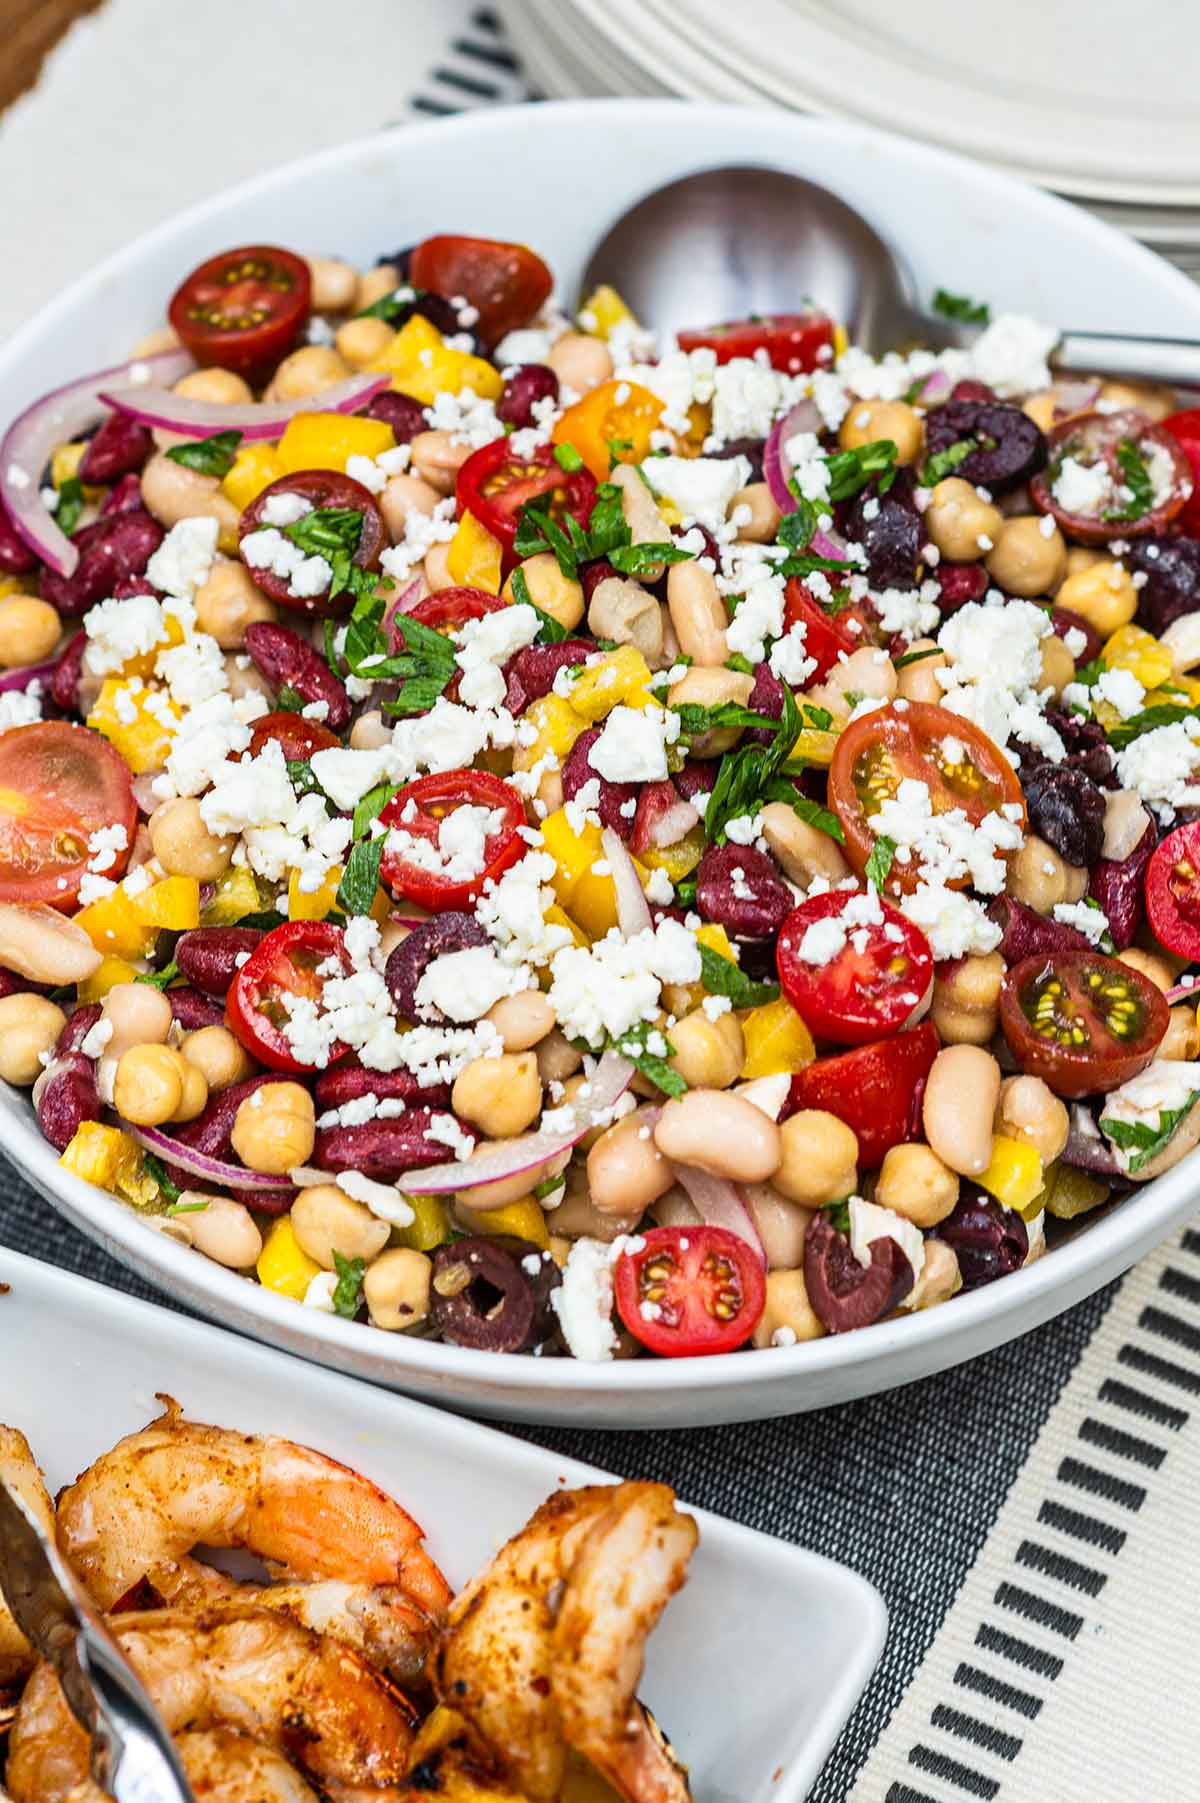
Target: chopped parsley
70,505
607,536
334,533
961,307
1167,714
567,458
938,467
916,657
851,471
879,863
796,531
213,456
303,777
401,300
640,1045
347,1295
721,976
158,979
156,1170
1139,1140
424,667
1137,481
839,1213
754,774
289,700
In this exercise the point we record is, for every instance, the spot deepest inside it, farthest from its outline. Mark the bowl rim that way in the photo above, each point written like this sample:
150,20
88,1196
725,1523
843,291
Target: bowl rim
1082,1264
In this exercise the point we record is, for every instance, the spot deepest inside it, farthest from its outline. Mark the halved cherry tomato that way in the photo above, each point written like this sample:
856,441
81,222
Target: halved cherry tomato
868,987
59,784
494,484
794,342
688,1292
1080,1021
827,636
506,282
243,309
288,961
1173,891
610,425
447,611
877,752
297,737
1184,428
876,1090
420,808
322,489
1105,439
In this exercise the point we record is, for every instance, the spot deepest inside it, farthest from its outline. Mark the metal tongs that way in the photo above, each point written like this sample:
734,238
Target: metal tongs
133,1757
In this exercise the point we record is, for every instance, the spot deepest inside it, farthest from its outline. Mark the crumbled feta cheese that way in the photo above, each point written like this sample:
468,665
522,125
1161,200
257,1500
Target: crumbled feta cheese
466,985
700,487
1083,488
1160,764
1091,922
120,630
583,1301
20,707
632,748
870,1222
1122,690
183,561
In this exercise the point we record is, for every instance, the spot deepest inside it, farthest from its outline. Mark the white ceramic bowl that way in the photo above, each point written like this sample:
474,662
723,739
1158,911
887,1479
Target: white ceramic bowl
555,175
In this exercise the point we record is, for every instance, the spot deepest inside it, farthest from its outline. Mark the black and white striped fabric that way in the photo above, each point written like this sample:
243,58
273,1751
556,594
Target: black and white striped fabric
478,69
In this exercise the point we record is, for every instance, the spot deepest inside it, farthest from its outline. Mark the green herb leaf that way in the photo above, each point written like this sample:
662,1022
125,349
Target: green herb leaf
652,1063
289,700
1137,481
916,657
960,306
214,456
735,661
567,458
302,777
811,812
156,1169
796,530
685,892
334,533
1126,731
750,775
944,464
390,306
424,667
360,878
265,918
186,1208
696,719
70,505
347,1294
839,1213
370,807
1139,1139
879,863
547,1187
721,976
607,526
158,979
819,718
851,471
644,559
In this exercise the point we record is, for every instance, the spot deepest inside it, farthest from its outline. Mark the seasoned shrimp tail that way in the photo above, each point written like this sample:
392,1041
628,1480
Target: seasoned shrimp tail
19,1469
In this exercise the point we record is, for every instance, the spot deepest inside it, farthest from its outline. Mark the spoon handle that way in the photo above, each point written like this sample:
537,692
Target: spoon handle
1118,354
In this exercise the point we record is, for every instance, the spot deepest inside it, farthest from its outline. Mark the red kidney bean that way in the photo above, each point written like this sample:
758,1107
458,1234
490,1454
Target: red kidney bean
698,776
1028,934
12,983
384,1150
527,384
129,586
126,497
766,697
450,932
959,583
532,671
208,956
285,659
111,549
119,447
349,1081
1118,886
65,1097
211,1132
273,1202
193,1010
752,905
76,1029
405,416
64,683
843,1293
591,575
16,558
578,771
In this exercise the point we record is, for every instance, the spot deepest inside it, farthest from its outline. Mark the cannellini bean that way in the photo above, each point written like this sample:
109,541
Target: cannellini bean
721,1133
697,613
223,1230
1029,1110
623,611
782,1225
801,850
522,1020
1125,820
625,1169
960,1102
642,516
40,943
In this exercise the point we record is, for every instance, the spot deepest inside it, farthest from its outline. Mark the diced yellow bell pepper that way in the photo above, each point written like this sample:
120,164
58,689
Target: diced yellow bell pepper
678,859
717,940
841,340
573,853
314,905
421,363
557,917
173,903
815,746
431,1225
325,441
557,726
594,896
15,585
137,721
282,1266
254,468
1133,648
1069,1192
115,928
602,310
1014,1174
236,895
474,556
106,976
689,444
111,1158
65,462
620,677
776,1040
525,1219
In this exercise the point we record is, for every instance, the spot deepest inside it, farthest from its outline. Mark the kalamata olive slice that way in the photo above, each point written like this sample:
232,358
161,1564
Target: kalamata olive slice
1009,446
1112,475
454,931
1066,809
1171,567
888,527
480,1297
990,1240
1028,934
843,1293
544,1278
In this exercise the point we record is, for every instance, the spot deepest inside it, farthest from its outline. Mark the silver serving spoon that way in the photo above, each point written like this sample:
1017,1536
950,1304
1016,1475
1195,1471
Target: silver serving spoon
726,243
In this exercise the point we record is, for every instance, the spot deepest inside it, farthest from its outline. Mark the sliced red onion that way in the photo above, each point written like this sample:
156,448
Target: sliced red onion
719,1204
827,544
673,824
633,910
1183,992
511,1157
934,388
21,679
777,465
1086,1147
55,419
254,420
198,1164
1075,397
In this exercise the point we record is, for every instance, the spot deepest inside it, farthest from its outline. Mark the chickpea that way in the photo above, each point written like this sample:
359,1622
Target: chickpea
580,362
802,851
162,338
40,943
245,680
641,513
173,493
396,1289
708,687
697,614
222,1230
138,1015
1182,1037
961,1094
917,1185
623,611
522,1020
787,1312
939,1280
1041,879
708,1054
149,1085
373,284
326,1220
1153,399
626,1172
221,386
1027,559
183,844
871,420
403,496
957,519
556,594
966,999
1152,965
1102,593
819,1158
275,1129
1029,1110
557,1058
29,630
370,732
436,568
195,1093
362,342
501,1096
29,1028
1058,666
220,1058
230,601
308,371
782,1225
918,681
437,459
334,284
763,523
723,1134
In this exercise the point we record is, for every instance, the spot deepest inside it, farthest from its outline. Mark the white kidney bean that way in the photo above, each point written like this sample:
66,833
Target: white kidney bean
803,851
1029,1110
721,1133
697,613
782,1225
580,362
623,611
626,1171
1125,821
224,1231
40,943
960,1104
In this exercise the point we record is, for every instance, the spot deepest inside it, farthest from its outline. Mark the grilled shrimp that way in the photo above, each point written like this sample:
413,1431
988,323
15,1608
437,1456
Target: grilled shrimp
139,1511
544,1650
19,1470
257,1674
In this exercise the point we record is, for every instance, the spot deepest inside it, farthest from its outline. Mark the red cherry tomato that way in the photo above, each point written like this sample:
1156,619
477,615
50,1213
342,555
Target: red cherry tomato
876,753
506,282
1109,440
451,608
690,1291
1185,430
1080,1021
419,810
494,484
870,985
288,961
875,1089
244,309
59,784
826,636
297,737
1173,891
322,489
794,342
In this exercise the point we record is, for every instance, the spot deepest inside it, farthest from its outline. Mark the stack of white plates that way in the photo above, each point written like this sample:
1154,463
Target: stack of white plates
1082,96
